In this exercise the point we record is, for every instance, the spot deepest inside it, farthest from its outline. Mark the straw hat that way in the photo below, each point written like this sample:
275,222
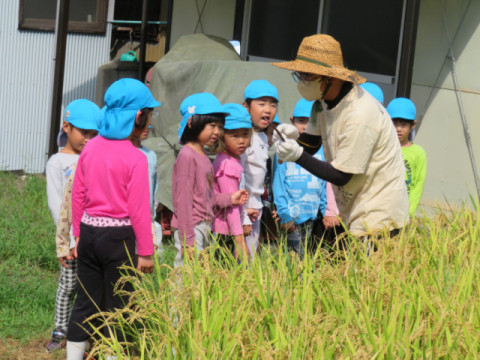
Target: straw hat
321,54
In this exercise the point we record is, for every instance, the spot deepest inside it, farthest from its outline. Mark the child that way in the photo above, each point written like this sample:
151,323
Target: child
298,195
79,126
228,171
261,99
110,209
139,134
192,180
403,112
374,90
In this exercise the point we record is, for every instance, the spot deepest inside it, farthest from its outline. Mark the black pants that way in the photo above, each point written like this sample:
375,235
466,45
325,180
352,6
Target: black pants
101,251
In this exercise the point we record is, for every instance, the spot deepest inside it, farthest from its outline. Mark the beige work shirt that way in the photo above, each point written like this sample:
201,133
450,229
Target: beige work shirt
359,138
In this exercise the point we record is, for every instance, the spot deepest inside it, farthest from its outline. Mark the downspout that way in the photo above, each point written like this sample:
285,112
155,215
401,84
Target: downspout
458,94
61,30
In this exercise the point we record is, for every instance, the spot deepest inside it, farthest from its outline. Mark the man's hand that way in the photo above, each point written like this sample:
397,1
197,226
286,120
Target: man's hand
330,222
252,214
247,230
288,150
240,197
288,131
145,264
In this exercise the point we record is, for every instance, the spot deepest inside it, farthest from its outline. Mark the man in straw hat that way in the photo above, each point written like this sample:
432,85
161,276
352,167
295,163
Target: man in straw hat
364,161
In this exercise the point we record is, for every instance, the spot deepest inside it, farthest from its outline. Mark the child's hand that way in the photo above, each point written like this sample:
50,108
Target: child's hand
63,258
289,226
241,248
252,214
190,250
330,222
75,253
247,230
145,264
240,197
275,216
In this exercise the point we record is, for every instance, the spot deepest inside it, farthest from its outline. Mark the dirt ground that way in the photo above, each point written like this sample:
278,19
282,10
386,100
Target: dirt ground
35,349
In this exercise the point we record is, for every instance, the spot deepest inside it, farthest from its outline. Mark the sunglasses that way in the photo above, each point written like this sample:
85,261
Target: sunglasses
300,76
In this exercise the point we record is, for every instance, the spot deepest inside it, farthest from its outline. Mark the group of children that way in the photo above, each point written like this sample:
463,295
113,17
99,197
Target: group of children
101,193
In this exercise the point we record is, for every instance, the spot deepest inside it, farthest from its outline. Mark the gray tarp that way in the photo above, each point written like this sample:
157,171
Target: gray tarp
200,63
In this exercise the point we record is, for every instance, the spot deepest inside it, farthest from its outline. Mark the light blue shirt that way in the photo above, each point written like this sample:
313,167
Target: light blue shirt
297,194
152,174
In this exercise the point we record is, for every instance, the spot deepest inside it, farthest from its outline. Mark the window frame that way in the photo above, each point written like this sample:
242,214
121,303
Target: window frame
47,25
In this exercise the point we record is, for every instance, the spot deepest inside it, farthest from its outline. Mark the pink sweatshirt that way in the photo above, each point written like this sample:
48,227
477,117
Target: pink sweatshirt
193,193
228,173
112,181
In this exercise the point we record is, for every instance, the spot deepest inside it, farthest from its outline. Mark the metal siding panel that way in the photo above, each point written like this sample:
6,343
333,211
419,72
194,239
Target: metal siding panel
25,86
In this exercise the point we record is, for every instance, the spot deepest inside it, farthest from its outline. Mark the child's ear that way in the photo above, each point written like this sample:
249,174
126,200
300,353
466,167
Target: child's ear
137,117
414,124
66,126
189,122
245,104
291,119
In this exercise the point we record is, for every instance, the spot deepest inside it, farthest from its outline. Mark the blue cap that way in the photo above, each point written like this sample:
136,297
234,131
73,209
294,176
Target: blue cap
198,104
260,88
82,114
239,117
276,120
374,90
402,108
123,99
303,108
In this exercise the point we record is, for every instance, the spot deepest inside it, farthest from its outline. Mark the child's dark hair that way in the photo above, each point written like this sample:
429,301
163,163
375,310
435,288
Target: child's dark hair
198,123
142,120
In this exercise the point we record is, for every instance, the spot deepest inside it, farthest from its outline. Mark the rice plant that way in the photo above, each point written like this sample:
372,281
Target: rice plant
416,296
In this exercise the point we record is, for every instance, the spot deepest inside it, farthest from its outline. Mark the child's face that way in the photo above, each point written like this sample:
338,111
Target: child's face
300,123
210,133
77,138
262,111
236,141
403,128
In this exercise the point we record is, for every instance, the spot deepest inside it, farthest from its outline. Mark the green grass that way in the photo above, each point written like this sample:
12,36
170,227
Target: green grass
28,265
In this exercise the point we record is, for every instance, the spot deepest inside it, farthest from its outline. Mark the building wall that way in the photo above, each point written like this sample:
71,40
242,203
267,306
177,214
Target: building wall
217,19
26,86
450,179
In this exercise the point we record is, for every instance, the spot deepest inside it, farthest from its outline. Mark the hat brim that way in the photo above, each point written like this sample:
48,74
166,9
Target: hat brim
307,67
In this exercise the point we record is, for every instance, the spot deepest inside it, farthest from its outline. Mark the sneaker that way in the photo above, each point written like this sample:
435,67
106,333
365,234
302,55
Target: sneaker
57,341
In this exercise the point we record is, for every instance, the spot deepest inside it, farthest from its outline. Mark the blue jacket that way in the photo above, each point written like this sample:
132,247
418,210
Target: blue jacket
297,194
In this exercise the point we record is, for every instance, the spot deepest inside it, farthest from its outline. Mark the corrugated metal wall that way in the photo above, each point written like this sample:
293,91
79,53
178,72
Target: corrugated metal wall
26,65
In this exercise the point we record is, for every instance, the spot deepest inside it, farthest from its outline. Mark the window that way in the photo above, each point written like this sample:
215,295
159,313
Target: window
85,16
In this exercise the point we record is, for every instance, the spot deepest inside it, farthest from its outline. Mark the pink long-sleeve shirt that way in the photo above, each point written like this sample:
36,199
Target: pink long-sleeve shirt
228,173
193,194
112,181
332,209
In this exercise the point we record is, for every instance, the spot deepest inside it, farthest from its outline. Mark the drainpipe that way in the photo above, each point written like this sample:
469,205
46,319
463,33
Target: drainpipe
61,30
143,42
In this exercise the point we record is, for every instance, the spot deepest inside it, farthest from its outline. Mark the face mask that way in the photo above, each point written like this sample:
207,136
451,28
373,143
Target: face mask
311,90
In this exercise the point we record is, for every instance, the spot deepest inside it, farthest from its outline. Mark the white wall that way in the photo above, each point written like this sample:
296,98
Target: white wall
450,178
217,19
26,86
